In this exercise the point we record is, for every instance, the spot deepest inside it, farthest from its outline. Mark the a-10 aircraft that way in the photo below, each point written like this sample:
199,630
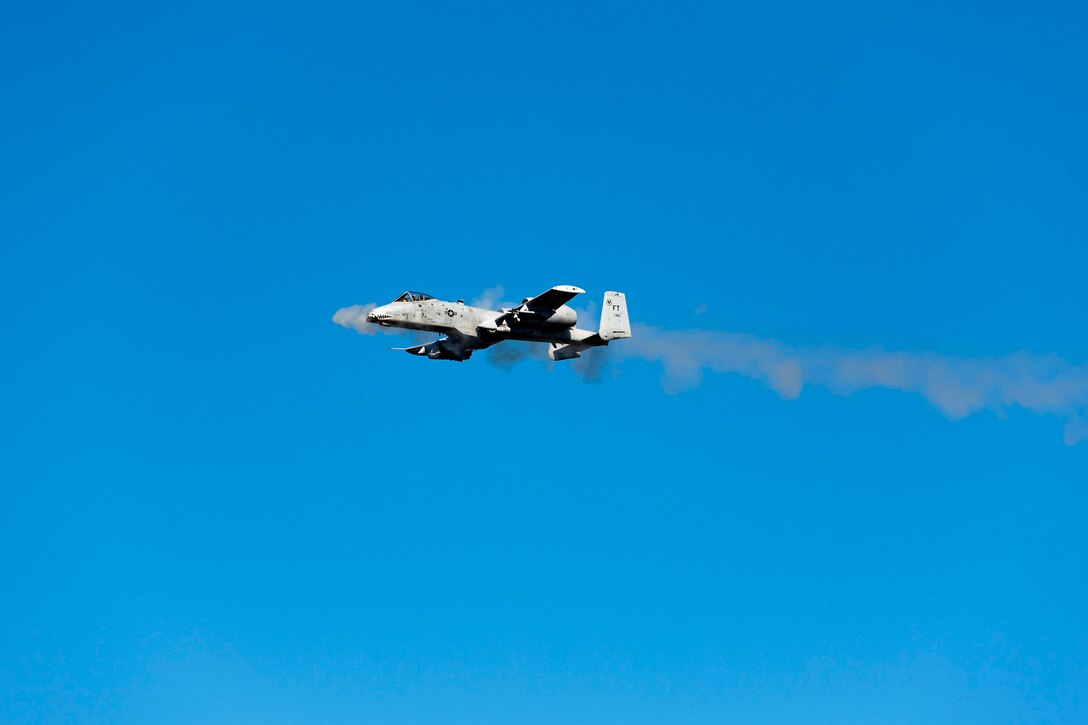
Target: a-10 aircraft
544,318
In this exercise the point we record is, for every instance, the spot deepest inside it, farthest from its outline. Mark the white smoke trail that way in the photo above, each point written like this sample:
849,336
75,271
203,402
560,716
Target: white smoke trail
491,299
957,386
1043,384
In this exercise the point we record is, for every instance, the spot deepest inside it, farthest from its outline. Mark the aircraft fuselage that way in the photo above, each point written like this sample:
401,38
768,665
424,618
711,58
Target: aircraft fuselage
544,318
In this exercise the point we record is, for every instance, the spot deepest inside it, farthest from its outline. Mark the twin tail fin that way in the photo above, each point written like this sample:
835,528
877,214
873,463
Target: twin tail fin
615,323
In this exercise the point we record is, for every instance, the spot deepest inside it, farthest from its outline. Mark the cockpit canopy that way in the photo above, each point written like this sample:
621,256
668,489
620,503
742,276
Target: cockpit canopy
413,297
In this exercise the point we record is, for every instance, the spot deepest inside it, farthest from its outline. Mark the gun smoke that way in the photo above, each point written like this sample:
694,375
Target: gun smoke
956,386
354,318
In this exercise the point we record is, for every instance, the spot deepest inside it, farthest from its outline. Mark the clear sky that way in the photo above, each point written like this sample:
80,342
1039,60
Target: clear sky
219,506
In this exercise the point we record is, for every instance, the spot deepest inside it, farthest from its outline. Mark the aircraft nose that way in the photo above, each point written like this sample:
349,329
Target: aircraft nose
378,314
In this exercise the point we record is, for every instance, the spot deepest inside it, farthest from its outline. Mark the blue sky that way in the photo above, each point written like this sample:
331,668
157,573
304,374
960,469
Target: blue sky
221,507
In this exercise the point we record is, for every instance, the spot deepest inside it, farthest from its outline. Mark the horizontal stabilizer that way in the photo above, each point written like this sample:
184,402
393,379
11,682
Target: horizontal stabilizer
566,351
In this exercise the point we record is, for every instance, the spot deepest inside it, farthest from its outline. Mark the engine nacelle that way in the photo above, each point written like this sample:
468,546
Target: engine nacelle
563,317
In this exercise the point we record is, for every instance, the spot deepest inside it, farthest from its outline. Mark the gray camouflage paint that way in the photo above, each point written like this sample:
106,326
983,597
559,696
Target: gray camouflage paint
539,319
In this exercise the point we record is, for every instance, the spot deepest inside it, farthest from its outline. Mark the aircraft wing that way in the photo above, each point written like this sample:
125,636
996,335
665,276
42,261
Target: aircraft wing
554,298
453,346
542,306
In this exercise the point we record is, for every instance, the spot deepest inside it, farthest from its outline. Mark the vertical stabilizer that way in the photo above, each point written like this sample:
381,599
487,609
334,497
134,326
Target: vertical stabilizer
614,321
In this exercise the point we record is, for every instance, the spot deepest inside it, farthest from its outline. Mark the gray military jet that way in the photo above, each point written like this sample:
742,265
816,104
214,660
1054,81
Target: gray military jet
544,318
